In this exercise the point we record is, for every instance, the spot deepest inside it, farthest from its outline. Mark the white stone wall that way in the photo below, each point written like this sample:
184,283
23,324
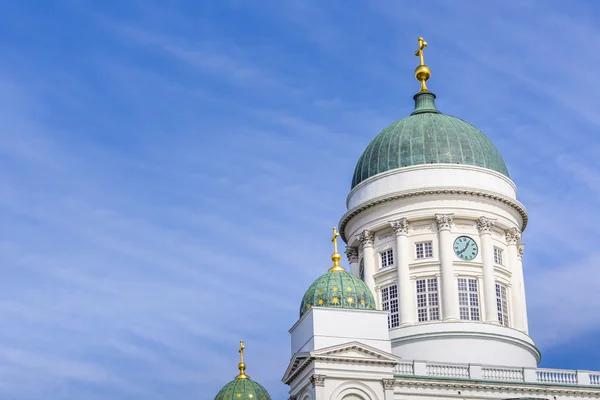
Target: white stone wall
493,220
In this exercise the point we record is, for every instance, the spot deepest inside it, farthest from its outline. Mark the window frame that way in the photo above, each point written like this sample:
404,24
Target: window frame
498,256
502,304
390,303
388,256
361,269
424,243
430,299
472,309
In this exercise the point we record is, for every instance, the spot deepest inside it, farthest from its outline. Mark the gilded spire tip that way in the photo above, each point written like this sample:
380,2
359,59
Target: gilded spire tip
242,365
422,72
335,257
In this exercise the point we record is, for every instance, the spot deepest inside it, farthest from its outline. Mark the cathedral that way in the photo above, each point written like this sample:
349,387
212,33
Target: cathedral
432,303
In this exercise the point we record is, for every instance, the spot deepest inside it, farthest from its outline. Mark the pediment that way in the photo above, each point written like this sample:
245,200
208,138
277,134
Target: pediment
355,351
352,352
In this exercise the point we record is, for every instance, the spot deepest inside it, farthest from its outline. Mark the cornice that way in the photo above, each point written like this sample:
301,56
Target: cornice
517,206
465,383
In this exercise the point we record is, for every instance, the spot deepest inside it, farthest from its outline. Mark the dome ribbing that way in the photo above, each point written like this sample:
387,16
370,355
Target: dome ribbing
426,137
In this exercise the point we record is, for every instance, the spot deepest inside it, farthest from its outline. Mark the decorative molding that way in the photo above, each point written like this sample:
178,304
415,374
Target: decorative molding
520,250
384,235
292,398
395,196
352,254
366,238
513,236
400,226
464,226
537,388
388,384
421,227
498,233
484,225
444,221
317,380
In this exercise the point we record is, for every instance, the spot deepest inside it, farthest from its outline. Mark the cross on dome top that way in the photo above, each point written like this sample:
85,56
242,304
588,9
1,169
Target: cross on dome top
422,72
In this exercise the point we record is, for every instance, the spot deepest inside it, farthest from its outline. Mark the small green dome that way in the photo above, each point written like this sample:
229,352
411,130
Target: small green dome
243,389
338,288
426,137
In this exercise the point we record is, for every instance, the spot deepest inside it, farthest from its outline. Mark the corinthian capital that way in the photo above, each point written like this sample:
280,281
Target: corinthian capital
513,236
317,380
484,225
366,238
520,250
352,254
444,221
400,226
388,384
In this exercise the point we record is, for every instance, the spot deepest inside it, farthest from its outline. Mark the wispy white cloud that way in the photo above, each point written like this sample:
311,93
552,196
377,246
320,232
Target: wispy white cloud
168,189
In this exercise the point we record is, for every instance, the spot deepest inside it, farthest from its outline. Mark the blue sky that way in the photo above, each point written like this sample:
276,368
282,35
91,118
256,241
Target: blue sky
170,172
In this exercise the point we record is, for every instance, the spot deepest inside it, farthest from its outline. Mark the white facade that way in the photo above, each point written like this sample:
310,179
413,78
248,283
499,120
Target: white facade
453,324
418,212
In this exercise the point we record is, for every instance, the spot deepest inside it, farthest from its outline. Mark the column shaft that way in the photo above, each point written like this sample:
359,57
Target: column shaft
366,240
352,254
489,281
520,250
449,289
515,281
406,296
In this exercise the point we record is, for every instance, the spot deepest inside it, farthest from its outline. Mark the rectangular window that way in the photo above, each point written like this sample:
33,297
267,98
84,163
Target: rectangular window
428,306
387,258
361,269
389,302
498,256
502,304
468,299
424,250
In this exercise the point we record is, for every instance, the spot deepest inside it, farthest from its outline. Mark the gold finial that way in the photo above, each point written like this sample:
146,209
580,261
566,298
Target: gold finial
336,257
422,72
241,365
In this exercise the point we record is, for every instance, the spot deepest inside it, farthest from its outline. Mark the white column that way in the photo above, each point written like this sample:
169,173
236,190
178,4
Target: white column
388,388
352,254
481,299
513,236
366,241
318,383
406,299
520,249
484,226
449,289
377,295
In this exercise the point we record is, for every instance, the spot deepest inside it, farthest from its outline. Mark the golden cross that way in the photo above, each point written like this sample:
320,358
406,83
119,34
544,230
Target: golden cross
241,351
419,53
334,240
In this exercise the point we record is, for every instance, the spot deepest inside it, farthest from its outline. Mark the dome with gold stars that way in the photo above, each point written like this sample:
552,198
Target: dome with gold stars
337,288
242,387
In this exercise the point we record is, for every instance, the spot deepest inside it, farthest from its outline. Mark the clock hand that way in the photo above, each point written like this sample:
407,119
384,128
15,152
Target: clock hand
463,250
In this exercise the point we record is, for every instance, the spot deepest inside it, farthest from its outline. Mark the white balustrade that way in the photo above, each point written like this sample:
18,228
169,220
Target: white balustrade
404,368
448,370
556,376
503,374
495,373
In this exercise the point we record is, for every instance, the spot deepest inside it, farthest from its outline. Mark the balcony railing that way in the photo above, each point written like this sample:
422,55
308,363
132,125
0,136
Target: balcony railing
496,373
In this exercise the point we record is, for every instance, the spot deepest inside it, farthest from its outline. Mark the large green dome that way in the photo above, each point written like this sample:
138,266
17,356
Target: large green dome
338,288
243,389
427,137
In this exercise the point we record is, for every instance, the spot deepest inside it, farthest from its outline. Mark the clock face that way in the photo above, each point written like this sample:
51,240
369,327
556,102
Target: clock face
465,248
